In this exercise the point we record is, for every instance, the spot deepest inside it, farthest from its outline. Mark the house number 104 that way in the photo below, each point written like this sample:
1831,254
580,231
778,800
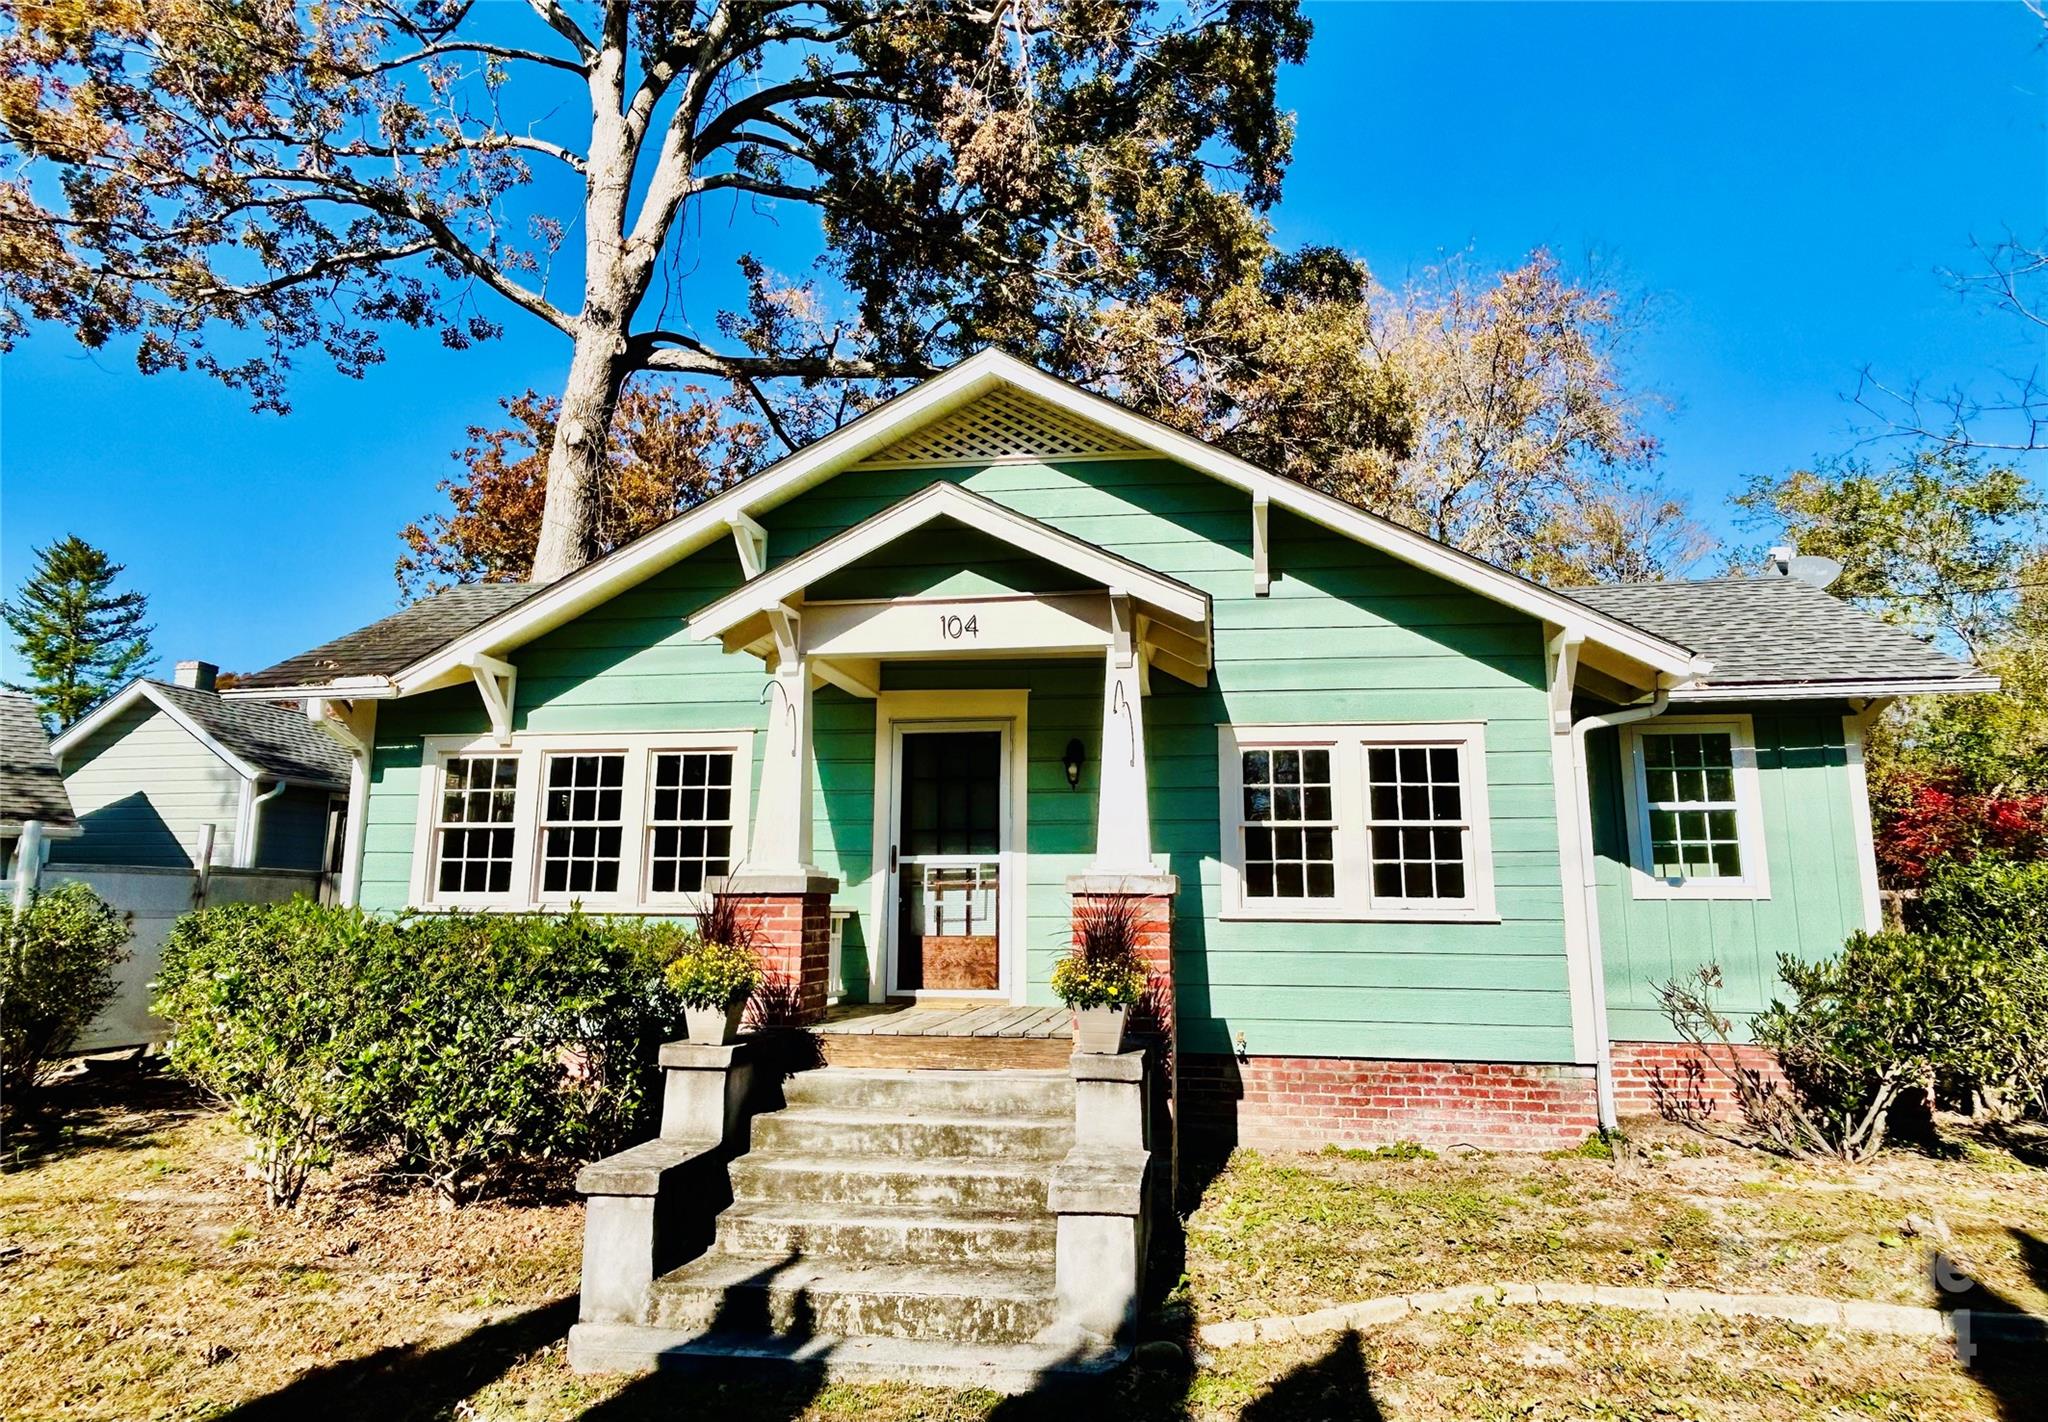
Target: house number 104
953,627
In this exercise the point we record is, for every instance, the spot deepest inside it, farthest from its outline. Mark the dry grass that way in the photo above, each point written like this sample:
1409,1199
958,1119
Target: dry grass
141,1278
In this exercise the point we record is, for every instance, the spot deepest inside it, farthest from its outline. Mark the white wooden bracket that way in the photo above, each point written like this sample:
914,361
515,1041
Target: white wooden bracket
857,676
752,541
340,719
1564,671
1120,629
1262,546
785,625
496,681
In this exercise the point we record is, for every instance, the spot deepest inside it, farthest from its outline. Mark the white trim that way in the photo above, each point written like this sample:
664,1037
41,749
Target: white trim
1860,831
1354,901
1562,654
1755,882
815,463
1835,690
126,697
940,710
531,749
984,516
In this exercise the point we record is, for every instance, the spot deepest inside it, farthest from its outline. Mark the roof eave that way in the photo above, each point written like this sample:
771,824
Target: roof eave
1867,687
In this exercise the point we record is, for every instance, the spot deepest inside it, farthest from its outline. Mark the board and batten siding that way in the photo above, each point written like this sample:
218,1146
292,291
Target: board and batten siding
142,787
1347,635
1811,845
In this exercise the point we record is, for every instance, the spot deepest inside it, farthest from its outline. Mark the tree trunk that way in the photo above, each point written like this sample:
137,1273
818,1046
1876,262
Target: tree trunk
577,458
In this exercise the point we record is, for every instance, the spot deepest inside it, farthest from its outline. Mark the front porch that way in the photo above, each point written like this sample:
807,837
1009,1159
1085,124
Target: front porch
969,1033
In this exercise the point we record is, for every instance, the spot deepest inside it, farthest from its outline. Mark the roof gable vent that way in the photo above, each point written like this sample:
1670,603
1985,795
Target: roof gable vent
1003,425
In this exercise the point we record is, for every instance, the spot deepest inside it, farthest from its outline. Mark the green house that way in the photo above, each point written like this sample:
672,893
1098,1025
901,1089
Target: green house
1427,834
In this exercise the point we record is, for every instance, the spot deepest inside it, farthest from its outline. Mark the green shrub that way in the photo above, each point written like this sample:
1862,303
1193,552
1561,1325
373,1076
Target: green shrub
57,960
712,974
1988,896
451,1044
264,1002
2000,908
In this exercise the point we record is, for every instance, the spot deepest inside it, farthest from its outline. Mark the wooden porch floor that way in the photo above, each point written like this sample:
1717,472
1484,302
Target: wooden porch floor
968,1018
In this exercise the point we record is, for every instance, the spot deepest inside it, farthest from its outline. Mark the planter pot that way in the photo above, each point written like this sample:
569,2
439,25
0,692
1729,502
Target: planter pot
713,1026
1100,1029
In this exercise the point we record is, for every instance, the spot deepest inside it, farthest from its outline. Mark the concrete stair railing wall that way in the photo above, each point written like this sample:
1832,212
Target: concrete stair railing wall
983,1228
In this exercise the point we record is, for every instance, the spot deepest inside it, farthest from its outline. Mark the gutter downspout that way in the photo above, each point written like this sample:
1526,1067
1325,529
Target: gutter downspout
245,852
1603,1060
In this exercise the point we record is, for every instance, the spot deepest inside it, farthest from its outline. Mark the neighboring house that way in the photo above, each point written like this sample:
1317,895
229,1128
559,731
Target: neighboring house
1427,833
158,767
31,788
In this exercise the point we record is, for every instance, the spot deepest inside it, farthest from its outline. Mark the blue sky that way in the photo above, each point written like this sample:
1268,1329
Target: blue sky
1785,181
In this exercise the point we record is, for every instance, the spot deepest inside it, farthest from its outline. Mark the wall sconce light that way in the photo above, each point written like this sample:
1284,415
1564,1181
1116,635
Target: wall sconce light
1075,758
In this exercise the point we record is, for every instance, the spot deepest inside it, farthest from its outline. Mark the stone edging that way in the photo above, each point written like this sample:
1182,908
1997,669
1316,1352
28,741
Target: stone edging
1899,1320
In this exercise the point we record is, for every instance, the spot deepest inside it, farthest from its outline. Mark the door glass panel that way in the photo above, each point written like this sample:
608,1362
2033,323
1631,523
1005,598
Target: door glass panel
948,878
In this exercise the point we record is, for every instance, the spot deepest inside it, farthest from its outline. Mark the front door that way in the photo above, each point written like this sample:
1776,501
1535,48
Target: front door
948,856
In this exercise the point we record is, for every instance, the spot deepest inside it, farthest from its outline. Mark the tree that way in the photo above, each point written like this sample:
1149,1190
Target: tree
232,182
666,452
1491,413
79,637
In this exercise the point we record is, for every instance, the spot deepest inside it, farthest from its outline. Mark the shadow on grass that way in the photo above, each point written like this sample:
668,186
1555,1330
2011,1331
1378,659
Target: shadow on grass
2008,1355
112,1105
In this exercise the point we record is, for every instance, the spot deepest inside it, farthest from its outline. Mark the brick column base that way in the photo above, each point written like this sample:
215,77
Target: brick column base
791,918
1156,1017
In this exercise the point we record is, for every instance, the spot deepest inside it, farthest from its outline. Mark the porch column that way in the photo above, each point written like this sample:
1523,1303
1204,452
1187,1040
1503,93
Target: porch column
781,894
1123,819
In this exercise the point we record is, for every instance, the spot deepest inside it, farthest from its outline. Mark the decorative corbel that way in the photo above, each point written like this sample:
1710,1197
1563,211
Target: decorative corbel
1120,628
1262,546
1564,672
496,680
752,541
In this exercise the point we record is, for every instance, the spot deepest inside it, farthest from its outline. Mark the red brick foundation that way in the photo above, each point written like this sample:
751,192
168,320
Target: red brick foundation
793,935
1306,1103
1637,1066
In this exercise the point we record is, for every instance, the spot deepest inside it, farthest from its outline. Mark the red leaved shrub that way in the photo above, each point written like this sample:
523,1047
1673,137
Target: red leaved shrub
1933,820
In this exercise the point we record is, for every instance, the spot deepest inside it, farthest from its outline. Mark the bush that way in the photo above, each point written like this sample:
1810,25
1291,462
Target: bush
1927,823
713,974
265,1003
57,960
450,1043
2001,908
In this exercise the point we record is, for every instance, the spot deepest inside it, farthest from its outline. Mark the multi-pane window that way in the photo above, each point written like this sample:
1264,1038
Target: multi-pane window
1693,810
1415,816
1289,823
1366,821
689,820
474,828
582,823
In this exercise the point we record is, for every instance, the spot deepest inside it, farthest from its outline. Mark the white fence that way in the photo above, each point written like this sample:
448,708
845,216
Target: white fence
156,898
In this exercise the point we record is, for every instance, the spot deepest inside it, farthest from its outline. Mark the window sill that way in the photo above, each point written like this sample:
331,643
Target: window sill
1653,890
1353,915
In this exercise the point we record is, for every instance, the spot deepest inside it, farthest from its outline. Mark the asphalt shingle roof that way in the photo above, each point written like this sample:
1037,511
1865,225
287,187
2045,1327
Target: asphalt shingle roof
277,740
1774,630
396,641
31,786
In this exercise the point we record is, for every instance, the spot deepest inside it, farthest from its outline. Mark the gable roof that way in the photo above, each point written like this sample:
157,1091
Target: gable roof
1785,635
31,786
258,739
392,643
346,666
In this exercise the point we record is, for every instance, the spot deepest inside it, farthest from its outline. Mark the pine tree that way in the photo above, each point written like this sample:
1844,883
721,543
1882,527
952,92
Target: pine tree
80,638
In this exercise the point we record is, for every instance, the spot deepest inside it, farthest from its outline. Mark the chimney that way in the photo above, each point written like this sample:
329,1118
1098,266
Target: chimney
1778,562
197,675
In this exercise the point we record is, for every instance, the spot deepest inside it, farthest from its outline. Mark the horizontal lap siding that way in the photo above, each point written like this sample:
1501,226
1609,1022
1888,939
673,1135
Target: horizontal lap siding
1347,635
1810,844
143,787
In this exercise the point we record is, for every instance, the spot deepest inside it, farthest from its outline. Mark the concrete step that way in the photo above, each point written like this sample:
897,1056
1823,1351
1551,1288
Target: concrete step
916,1132
799,1297
876,1233
1047,1095
1003,1368
985,1185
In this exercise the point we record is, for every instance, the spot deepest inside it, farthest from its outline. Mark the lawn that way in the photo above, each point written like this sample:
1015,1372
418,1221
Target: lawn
141,1278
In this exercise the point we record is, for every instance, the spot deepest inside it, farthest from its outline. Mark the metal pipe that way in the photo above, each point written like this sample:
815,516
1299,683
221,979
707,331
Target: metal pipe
247,855
1603,1043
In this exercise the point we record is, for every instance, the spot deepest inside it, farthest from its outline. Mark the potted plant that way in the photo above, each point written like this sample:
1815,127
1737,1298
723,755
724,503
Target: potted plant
716,974
1102,979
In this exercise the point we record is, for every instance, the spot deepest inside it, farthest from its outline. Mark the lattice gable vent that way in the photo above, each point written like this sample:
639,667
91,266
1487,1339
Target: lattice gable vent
1004,424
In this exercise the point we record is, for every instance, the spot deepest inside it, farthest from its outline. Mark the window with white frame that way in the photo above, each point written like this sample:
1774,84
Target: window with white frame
474,833
1355,822
690,820
619,823
1694,826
